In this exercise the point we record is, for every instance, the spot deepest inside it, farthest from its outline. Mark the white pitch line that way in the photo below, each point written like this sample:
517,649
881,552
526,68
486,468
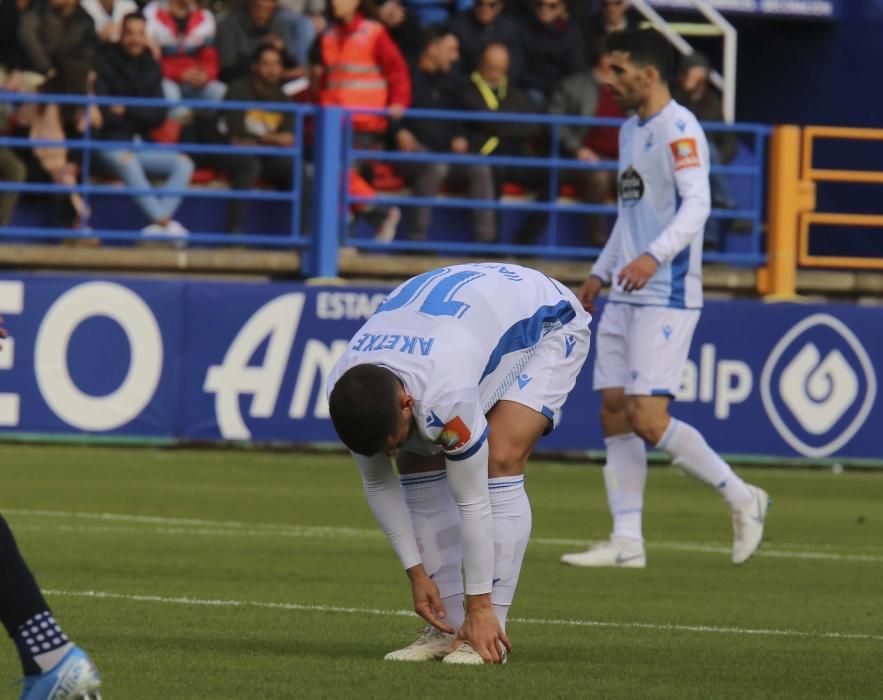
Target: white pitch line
306,607
235,528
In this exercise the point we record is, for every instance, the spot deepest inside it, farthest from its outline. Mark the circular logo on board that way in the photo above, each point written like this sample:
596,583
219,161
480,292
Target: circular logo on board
631,187
818,385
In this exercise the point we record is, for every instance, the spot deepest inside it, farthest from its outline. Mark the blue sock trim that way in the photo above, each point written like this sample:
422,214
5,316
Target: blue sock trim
411,479
669,431
494,484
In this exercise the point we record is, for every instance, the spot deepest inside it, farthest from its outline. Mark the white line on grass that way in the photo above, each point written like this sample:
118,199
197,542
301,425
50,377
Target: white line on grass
303,607
236,528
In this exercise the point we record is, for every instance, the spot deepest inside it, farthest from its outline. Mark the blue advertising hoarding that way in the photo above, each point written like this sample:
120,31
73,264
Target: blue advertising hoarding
208,361
802,9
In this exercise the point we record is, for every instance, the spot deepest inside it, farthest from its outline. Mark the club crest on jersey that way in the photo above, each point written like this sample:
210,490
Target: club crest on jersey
631,187
454,435
686,153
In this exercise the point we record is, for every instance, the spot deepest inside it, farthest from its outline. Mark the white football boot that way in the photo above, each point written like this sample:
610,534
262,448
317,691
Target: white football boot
617,551
748,525
432,645
465,654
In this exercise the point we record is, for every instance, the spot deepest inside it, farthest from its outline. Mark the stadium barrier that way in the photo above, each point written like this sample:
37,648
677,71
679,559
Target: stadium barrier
166,360
333,153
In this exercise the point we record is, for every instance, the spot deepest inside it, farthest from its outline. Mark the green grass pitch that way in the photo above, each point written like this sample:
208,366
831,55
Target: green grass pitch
232,574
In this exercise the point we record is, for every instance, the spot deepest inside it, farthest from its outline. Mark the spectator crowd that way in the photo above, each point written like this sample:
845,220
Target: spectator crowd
514,56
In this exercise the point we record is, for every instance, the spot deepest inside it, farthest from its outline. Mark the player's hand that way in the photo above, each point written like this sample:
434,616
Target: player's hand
638,272
588,292
483,632
427,600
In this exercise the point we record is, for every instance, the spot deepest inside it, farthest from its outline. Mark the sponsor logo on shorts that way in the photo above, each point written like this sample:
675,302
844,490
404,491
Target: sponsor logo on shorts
524,380
569,343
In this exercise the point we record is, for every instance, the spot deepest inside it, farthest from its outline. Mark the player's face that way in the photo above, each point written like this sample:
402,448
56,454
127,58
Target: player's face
400,436
630,83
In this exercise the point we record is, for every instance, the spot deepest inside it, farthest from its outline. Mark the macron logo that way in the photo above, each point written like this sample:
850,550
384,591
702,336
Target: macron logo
433,421
569,343
524,380
667,331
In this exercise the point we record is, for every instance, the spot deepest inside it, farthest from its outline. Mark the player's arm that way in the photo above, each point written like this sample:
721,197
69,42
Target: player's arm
385,499
602,271
467,476
689,158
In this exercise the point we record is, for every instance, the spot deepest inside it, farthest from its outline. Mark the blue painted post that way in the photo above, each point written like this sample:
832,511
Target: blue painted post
327,157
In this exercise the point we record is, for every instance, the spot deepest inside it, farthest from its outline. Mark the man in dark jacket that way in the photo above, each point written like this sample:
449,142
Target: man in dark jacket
54,31
249,25
553,49
128,69
486,24
436,85
489,91
258,127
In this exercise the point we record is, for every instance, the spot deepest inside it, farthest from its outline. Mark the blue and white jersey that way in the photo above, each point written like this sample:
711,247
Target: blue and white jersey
664,202
458,338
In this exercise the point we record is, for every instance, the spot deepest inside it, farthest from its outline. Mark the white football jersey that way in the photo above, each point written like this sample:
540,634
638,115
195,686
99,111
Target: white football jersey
664,202
458,338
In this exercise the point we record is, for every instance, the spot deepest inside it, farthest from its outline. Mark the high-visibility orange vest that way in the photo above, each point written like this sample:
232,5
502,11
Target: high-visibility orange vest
352,77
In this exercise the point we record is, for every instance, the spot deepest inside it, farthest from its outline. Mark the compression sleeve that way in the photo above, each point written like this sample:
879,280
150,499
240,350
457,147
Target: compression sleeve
468,480
385,499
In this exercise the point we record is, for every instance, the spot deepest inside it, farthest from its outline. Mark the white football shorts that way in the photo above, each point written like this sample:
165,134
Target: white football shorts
550,374
643,348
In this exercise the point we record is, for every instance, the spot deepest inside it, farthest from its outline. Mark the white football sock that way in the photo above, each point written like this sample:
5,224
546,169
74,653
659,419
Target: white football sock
625,475
436,521
690,452
512,522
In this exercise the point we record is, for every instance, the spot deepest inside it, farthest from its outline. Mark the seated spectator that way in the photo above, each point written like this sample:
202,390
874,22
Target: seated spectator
306,20
362,67
694,92
613,16
438,86
108,16
128,69
553,49
256,126
185,36
53,32
403,26
53,122
588,94
489,91
11,168
248,26
486,24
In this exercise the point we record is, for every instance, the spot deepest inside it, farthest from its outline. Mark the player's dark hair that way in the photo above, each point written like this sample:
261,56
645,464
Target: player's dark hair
646,47
364,406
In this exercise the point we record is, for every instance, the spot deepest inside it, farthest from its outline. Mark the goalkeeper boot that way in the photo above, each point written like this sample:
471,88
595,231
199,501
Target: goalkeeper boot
73,678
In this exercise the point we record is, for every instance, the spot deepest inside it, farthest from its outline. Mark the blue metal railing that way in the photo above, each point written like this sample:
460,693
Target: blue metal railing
334,154
758,134
88,143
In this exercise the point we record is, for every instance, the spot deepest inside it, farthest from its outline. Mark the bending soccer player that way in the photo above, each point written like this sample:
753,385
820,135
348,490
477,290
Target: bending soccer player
54,668
654,260
457,375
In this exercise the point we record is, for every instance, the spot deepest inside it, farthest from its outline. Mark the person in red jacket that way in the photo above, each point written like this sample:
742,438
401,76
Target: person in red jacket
359,66
184,35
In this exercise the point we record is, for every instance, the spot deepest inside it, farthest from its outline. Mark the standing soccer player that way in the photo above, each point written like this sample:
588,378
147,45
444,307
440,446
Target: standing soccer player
654,261
54,668
457,375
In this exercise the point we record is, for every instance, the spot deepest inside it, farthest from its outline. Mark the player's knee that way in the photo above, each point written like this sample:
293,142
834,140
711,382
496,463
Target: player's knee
506,460
650,425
